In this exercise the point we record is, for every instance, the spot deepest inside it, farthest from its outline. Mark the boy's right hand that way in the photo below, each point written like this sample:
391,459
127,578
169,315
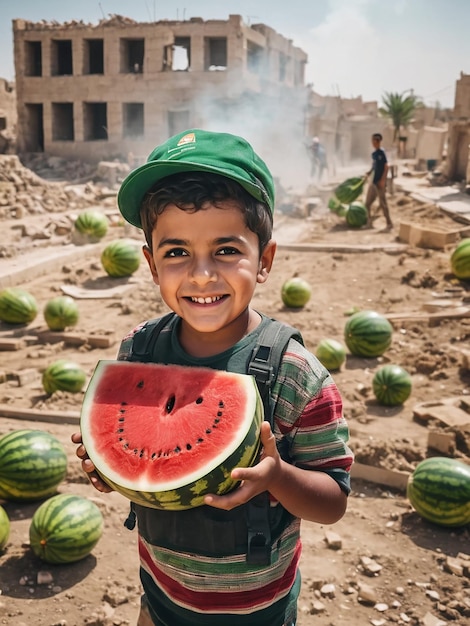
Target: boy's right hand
87,465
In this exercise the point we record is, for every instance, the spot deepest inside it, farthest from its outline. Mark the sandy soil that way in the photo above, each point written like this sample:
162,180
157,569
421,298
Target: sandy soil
381,564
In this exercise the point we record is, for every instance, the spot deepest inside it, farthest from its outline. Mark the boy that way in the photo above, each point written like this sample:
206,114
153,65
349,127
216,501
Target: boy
205,202
379,182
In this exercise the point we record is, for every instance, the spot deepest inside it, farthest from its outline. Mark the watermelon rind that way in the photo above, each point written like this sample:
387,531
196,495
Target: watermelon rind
17,306
295,292
63,375
439,491
391,385
460,260
92,223
212,473
65,529
368,334
331,354
4,528
356,215
350,189
60,312
32,465
121,258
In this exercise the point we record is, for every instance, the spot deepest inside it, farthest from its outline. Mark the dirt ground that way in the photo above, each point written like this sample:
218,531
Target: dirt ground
381,564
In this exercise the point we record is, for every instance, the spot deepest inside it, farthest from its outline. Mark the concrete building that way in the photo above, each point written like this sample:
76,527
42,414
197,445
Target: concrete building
120,87
458,148
7,116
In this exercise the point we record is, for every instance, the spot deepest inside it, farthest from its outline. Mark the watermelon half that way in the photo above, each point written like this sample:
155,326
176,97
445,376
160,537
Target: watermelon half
164,436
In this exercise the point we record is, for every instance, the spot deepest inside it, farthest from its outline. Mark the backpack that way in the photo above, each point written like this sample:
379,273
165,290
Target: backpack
263,365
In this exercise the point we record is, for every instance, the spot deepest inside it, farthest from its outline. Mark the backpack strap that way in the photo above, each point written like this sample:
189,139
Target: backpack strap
145,339
264,364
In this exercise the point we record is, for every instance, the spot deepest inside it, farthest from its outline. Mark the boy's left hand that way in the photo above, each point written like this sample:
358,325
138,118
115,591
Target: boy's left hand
254,480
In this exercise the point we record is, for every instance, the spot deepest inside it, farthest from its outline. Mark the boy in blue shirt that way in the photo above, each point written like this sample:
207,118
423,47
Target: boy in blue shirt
377,188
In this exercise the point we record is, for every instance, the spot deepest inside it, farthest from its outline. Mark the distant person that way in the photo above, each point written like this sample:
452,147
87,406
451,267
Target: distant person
318,159
377,187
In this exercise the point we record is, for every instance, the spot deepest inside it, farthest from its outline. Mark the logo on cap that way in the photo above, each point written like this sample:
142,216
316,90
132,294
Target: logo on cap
189,138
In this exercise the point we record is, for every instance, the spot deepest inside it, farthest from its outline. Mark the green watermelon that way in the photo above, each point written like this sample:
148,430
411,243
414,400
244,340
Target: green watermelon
61,312
164,436
92,223
391,385
356,215
331,354
350,189
4,528
63,375
439,491
295,292
17,306
368,334
121,258
460,260
65,529
32,464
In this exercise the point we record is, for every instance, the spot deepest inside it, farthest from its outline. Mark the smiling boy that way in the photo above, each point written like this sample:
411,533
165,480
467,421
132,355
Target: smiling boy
205,202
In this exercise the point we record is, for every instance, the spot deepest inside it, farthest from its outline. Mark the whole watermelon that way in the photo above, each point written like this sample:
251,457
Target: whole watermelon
32,464
121,258
391,385
17,306
4,528
65,529
92,223
61,312
460,260
356,215
439,491
350,189
368,334
63,375
331,353
296,292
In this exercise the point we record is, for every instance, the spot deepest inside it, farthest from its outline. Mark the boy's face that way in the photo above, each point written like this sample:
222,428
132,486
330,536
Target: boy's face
207,265
376,142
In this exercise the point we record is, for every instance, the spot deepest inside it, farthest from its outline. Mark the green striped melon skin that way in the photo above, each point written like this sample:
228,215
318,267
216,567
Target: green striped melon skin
356,215
296,292
391,385
4,528
460,260
92,223
61,312
120,258
439,491
349,190
368,334
32,464
63,375
17,306
331,354
65,529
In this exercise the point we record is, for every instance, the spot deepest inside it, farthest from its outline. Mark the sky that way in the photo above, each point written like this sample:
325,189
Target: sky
355,47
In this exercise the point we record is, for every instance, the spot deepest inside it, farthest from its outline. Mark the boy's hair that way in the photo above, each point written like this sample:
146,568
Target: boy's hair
192,191
377,136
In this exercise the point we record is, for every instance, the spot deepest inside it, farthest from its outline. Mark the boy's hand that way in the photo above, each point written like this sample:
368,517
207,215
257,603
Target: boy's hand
87,465
254,479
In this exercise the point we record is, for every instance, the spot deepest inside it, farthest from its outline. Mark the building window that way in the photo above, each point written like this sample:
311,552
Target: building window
95,121
282,67
215,53
34,128
61,57
62,121
93,58
178,121
255,57
3,123
133,120
132,56
33,58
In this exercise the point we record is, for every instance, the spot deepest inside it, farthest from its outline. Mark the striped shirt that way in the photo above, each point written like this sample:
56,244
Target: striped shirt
187,586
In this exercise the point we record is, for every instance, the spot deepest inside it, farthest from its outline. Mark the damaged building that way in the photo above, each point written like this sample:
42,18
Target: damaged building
119,87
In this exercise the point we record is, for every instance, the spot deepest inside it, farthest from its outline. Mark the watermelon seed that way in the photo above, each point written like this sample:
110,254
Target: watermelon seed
177,450
219,413
208,431
170,403
188,446
199,400
142,452
120,430
200,440
140,384
221,404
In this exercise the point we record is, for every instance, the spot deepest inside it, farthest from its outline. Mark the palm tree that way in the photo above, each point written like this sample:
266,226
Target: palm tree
400,108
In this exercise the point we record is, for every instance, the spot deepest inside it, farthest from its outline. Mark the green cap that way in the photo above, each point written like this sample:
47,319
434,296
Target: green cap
197,151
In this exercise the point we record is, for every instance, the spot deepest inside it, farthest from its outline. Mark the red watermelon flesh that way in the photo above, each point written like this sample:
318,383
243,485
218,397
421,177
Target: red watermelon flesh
165,433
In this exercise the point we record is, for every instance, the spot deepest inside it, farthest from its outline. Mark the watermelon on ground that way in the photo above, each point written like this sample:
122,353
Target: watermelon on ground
439,491
92,223
121,258
61,312
356,215
4,527
331,354
32,464
368,334
17,306
63,375
296,292
164,436
391,385
460,260
65,529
